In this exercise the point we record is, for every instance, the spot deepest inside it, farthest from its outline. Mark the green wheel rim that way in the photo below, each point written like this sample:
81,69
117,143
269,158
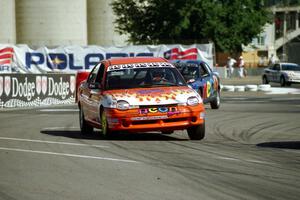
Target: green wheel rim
104,124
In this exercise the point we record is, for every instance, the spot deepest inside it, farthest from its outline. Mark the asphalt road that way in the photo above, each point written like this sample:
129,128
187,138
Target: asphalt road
251,151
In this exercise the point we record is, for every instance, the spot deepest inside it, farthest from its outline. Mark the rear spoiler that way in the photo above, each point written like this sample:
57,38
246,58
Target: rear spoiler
80,77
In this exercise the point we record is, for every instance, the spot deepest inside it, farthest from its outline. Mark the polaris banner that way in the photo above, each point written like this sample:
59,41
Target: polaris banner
22,59
23,90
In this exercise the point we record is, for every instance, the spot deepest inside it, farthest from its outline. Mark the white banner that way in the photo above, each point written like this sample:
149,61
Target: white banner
22,59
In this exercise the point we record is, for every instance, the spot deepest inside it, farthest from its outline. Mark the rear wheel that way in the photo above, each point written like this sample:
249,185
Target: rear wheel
85,128
215,104
265,80
282,81
196,132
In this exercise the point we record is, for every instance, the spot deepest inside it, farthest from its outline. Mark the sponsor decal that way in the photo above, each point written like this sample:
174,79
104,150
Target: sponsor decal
23,89
44,84
6,59
7,85
19,90
208,89
157,109
62,61
72,83
38,82
173,113
139,65
58,88
148,118
23,59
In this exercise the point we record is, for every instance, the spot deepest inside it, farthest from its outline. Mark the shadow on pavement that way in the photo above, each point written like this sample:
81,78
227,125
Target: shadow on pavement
283,145
96,135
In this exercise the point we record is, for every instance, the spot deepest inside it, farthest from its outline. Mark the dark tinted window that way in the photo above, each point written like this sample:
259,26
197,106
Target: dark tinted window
288,67
188,70
93,74
143,77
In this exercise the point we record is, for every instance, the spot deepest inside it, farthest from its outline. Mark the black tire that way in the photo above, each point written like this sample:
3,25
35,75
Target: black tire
200,92
104,126
288,83
215,104
265,80
196,132
282,81
85,128
167,132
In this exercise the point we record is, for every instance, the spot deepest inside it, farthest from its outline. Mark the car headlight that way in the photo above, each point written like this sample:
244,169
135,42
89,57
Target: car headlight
291,74
123,105
192,101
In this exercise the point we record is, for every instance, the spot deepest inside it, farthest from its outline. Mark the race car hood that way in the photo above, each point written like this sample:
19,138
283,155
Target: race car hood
150,96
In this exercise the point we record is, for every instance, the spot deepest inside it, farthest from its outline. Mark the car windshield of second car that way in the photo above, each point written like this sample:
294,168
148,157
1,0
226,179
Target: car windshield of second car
143,77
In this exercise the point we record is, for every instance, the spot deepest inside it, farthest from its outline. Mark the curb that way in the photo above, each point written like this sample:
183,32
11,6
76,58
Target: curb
248,88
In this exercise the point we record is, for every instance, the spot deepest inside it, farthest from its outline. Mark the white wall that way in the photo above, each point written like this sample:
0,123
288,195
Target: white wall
51,22
7,22
100,24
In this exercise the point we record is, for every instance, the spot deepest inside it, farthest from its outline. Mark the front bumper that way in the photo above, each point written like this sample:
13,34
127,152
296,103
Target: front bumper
132,121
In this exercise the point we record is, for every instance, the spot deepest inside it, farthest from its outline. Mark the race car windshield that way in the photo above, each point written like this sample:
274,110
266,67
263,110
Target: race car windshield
188,71
143,77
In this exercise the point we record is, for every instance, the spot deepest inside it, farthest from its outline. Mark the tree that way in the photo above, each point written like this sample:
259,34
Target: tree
228,23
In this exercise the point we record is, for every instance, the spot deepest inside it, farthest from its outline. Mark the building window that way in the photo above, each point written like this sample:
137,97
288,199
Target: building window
261,40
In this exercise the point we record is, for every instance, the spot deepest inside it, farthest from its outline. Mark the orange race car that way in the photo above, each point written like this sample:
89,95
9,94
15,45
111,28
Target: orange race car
139,95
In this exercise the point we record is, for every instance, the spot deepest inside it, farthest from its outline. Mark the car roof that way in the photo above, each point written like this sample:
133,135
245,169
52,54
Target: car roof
288,63
128,60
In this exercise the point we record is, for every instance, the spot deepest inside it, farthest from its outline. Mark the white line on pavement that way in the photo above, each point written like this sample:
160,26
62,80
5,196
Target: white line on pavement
242,160
59,110
227,158
53,142
68,155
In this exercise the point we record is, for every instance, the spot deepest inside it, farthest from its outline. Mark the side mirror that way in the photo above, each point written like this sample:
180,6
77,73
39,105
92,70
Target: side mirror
95,85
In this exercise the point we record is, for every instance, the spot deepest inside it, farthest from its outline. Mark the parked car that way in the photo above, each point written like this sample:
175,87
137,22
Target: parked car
201,78
138,95
283,73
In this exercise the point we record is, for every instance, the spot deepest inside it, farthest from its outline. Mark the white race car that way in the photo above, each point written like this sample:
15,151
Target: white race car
283,73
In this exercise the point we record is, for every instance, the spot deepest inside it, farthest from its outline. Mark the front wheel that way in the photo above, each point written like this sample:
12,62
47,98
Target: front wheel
105,129
84,126
215,104
265,80
196,132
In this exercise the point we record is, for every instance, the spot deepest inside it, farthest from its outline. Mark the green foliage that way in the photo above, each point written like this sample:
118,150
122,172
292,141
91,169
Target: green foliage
227,23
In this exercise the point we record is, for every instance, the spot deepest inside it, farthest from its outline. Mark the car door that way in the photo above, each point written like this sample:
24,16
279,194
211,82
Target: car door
96,91
276,73
85,98
208,82
269,73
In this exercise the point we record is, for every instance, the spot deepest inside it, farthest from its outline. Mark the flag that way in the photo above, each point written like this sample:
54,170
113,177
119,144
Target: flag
6,56
176,54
